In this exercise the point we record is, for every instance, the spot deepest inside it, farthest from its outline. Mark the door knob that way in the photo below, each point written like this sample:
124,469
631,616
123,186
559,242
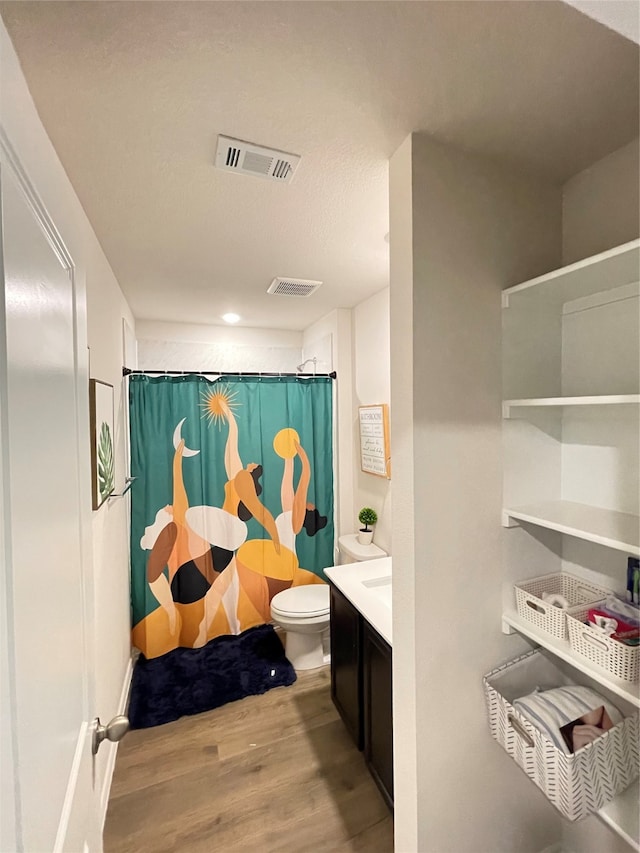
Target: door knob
115,730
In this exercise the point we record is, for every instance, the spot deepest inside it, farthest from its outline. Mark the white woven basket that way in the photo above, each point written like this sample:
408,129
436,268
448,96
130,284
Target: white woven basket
579,784
612,655
548,617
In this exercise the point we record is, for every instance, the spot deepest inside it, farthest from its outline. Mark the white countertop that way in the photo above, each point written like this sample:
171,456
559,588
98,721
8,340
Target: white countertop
373,600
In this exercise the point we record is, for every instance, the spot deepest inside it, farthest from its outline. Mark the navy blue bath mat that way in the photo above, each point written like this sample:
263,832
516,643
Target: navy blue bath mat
189,681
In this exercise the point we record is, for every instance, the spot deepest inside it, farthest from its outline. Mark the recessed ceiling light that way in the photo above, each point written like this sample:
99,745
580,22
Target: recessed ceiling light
231,317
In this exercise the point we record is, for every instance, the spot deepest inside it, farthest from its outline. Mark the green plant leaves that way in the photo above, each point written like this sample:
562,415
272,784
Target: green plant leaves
106,467
367,516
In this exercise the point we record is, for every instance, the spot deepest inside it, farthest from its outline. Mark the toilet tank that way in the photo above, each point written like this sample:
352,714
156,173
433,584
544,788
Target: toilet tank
351,551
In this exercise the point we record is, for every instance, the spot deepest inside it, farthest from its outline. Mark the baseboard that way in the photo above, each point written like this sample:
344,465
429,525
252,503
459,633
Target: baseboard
71,801
113,752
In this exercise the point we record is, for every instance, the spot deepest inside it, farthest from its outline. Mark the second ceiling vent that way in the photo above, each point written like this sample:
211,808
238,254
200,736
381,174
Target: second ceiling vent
293,287
235,155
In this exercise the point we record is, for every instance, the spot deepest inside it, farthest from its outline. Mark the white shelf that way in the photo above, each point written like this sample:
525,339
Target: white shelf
597,274
562,649
619,530
621,815
599,400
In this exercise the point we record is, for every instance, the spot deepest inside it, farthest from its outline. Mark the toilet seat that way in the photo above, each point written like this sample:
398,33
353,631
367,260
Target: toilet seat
302,601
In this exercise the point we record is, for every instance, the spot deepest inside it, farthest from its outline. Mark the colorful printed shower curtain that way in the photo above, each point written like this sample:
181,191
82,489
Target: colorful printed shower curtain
232,502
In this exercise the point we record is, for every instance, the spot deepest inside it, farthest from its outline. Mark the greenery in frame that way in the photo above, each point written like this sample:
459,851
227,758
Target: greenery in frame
106,472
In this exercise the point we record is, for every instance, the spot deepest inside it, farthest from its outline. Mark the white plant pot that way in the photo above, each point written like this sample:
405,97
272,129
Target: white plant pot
365,537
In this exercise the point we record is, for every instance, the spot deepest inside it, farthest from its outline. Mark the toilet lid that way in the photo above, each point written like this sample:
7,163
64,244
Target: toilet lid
309,600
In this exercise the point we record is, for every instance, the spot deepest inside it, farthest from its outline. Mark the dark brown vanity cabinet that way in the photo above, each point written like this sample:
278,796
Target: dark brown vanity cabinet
361,688
346,664
378,710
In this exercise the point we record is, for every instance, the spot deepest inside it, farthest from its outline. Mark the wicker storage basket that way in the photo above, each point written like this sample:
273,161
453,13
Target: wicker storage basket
577,784
548,617
612,655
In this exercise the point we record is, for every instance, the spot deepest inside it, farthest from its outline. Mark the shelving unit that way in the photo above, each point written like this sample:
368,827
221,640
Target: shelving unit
603,272
561,648
621,815
571,379
545,402
619,530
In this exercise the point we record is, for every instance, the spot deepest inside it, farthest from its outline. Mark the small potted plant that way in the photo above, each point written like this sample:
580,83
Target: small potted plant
366,516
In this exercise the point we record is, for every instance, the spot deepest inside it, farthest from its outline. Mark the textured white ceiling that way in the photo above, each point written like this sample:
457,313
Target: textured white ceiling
133,96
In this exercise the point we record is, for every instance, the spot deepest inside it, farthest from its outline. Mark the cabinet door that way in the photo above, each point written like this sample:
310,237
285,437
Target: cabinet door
378,711
346,668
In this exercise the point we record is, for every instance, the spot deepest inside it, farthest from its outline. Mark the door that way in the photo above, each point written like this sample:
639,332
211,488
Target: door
46,592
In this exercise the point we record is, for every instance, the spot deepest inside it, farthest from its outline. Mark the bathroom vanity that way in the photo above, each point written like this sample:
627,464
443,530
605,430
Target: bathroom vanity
361,662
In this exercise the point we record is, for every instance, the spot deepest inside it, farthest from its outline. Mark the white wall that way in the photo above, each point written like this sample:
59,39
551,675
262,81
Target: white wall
106,309
101,308
461,230
402,333
182,346
330,340
7,711
372,384
600,206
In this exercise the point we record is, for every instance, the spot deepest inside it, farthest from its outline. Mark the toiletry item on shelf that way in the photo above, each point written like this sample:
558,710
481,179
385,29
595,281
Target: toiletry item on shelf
607,625
633,579
609,608
617,606
613,625
589,713
627,616
555,599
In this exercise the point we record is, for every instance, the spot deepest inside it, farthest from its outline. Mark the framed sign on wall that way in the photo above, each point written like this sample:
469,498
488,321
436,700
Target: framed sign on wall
375,453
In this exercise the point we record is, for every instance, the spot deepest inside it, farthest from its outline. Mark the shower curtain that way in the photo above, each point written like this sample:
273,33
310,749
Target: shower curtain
232,501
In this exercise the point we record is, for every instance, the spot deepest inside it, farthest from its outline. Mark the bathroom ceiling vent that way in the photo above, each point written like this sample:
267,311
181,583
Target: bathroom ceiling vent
293,287
234,155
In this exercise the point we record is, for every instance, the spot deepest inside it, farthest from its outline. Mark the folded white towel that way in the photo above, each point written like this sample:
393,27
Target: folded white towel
549,710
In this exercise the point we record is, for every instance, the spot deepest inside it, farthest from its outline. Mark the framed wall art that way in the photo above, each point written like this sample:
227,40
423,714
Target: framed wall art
102,441
375,453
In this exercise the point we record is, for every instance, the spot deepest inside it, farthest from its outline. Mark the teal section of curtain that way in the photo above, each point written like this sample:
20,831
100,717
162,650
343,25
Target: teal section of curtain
262,406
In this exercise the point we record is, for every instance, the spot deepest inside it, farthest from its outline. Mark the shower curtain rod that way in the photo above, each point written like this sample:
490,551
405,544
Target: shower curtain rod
126,371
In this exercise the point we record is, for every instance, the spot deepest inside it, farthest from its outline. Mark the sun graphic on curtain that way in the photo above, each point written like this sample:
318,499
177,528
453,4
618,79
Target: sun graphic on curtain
217,404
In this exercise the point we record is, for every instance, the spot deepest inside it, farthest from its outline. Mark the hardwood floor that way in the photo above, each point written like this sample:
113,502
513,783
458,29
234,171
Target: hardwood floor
276,773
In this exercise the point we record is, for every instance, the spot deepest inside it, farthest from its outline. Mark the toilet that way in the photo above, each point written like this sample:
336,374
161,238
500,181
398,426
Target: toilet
351,551
303,611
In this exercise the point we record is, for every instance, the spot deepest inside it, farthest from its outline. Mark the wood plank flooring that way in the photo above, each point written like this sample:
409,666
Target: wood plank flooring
276,773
